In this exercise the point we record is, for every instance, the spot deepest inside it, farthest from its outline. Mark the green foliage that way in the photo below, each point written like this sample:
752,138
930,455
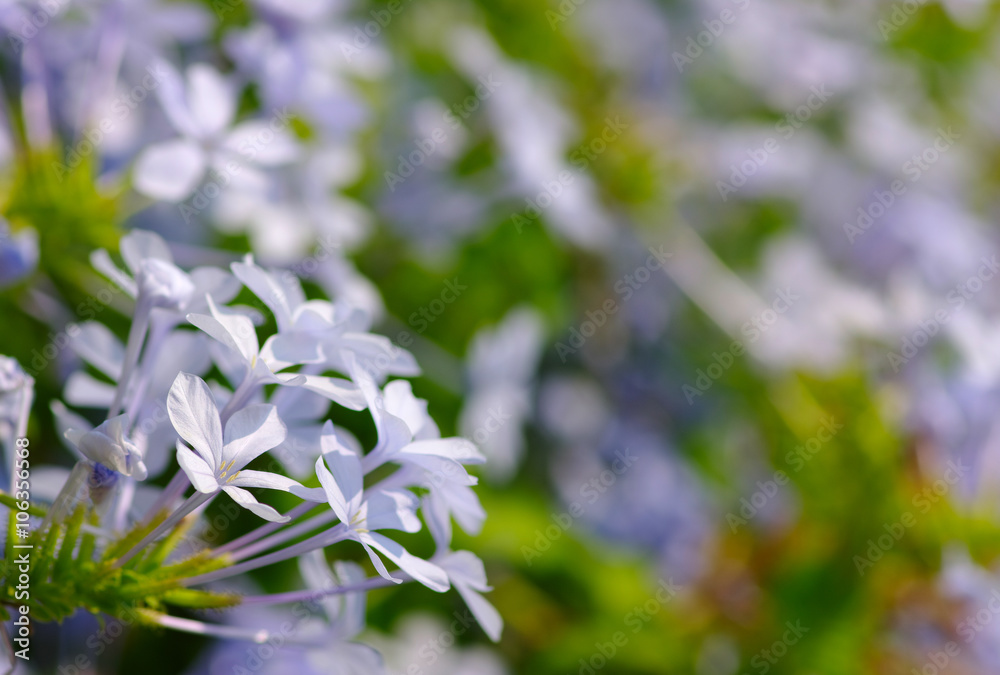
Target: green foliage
65,576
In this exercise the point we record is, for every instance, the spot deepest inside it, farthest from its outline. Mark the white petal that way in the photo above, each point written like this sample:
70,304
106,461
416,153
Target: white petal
400,401
102,262
340,391
267,287
89,392
182,351
456,449
250,432
173,98
438,519
486,614
284,350
170,171
232,329
465,506
266,479
195,417
214,282
258,142
247,501
465,567
210,98
427,573
366,541
98,346
138,245
391,510
164,284
380,356
345,467
198,471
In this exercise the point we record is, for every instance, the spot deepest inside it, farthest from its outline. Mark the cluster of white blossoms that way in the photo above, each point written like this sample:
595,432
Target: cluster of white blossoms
163,399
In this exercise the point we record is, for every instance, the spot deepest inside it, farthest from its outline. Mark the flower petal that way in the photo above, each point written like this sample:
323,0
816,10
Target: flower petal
231,328
346,480
257,141
265,479
340,391
102,262
250,503
391,510
170,171
197,469
97,345
456,449
427,573
486,614
138,245
88,392
250,432
266,286
195,417
173,98
211,99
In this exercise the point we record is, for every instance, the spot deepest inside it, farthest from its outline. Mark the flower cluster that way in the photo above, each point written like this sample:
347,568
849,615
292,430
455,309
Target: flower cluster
229,401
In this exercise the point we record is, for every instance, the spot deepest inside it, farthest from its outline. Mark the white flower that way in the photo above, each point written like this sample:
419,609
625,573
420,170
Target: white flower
237,332
363,513
317,331
108,445
217,461
202,112
163,284
407,436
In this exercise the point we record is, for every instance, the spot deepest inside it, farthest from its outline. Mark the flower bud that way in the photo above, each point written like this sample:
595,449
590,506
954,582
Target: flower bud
164,285
108,445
